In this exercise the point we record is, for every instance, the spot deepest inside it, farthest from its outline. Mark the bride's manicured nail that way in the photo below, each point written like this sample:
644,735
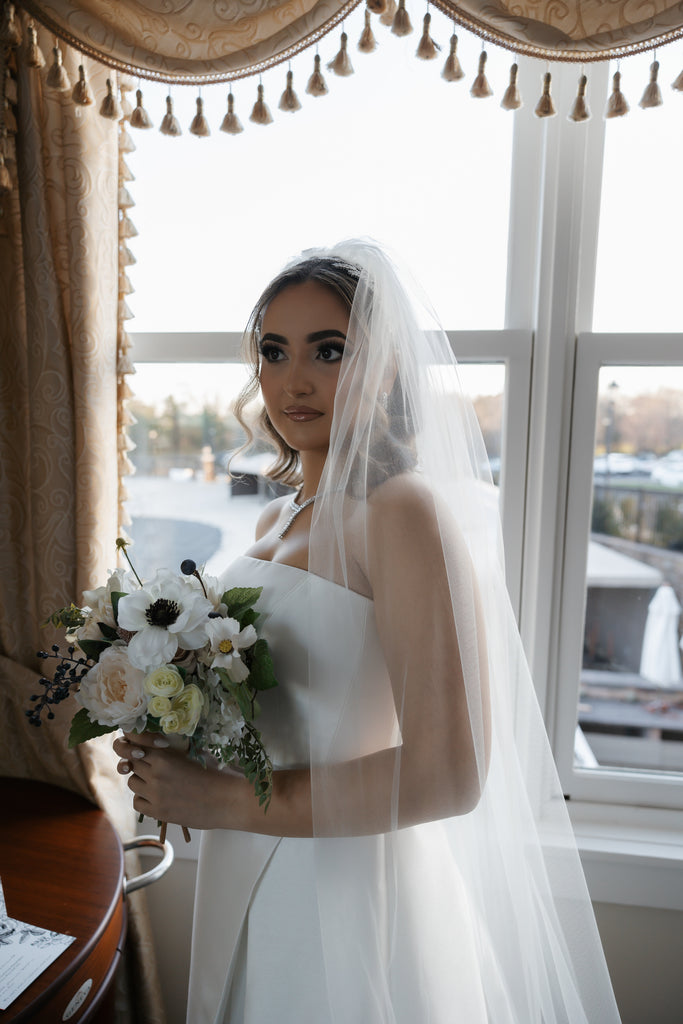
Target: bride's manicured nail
137,753
161,743
125,768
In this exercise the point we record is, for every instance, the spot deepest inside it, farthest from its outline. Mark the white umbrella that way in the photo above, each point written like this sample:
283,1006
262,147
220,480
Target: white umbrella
660,660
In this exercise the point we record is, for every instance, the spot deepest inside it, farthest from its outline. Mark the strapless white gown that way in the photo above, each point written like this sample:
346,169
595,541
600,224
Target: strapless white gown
257,954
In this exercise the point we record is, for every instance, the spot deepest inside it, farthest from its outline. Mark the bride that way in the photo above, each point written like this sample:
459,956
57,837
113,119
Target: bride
416,863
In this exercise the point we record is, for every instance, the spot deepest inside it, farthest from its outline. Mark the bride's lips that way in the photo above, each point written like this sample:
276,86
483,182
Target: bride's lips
301,413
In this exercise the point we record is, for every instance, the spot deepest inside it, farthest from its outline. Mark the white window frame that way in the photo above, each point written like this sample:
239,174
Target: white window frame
628,827
511,348
593,351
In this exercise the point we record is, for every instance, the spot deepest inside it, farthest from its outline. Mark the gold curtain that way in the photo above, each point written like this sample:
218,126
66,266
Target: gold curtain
202,42
58,428
574,30
194,41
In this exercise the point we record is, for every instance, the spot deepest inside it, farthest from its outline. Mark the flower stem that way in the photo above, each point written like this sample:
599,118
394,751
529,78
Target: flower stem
122,545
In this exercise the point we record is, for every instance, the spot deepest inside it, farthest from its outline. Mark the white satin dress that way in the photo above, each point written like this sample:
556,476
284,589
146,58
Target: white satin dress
257,950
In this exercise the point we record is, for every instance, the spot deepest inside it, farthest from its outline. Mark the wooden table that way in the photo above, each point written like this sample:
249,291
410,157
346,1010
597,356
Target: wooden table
61,864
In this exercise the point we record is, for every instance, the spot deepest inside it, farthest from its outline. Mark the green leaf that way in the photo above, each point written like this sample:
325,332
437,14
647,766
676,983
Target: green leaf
82,729
249,618
108,632
262,675
69,618
240,600
116,596
93,648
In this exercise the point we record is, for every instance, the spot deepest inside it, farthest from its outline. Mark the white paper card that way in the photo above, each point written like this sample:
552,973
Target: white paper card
25,952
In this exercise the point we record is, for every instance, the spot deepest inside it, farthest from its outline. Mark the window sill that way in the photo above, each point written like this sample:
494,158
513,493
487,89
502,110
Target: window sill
631,855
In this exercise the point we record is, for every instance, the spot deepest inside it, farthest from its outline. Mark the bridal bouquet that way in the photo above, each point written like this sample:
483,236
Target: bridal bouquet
177,655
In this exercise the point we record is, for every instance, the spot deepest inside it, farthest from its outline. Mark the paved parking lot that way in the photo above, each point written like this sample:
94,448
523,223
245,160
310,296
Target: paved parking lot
177,519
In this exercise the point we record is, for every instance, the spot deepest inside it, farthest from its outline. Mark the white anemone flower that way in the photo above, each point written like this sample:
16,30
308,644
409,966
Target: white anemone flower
227,642
165,614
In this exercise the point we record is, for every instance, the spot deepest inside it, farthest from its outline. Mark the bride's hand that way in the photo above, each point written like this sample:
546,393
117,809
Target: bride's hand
168,786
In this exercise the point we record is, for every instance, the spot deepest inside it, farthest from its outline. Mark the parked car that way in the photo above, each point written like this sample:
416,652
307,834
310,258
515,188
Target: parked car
668,471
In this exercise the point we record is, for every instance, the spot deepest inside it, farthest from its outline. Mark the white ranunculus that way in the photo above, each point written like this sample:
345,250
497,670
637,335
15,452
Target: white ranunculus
97,604
165,681
112,691
165,614
227,642
214,591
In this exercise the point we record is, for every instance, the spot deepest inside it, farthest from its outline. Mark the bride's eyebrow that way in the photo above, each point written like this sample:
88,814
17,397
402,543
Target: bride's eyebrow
323,335
311,338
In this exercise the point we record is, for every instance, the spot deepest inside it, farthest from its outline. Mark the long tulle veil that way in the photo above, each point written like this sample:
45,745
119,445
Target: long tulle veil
472,907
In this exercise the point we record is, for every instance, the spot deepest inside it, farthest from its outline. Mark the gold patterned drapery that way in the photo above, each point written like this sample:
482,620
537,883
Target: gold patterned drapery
196,42
59,443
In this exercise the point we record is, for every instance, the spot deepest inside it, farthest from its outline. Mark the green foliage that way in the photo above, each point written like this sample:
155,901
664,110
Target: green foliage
69,618
241,600
261,672
93,648
82,729
116,596
669,527
108,632
603,519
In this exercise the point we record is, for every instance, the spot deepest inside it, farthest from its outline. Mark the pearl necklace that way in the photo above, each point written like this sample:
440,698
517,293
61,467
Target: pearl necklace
295,509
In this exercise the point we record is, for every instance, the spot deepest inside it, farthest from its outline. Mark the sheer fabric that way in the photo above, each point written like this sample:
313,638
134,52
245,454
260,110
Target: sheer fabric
442,882
458,832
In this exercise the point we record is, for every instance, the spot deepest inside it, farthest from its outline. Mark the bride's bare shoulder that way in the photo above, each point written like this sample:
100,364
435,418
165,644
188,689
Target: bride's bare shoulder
269,516
402,496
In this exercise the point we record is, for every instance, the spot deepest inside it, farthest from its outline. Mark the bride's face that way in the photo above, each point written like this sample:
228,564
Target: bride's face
302,339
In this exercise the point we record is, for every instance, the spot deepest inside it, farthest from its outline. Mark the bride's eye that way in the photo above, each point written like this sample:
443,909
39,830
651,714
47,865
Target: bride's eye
330,352
271,353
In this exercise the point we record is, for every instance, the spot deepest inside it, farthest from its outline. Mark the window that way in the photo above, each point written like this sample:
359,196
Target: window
516,227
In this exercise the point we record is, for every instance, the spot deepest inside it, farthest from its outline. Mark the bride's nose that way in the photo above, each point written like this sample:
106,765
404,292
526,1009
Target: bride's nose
297,381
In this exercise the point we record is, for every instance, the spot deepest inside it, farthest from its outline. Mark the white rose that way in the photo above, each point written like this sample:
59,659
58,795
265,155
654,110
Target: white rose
165,681
112,691
158,706
98,606
186,710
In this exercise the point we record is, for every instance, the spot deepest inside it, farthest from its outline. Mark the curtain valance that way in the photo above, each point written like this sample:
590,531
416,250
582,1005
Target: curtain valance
195,42
190,42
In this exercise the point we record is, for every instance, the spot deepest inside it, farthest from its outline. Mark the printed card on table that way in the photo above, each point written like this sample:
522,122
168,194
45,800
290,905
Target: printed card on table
25,952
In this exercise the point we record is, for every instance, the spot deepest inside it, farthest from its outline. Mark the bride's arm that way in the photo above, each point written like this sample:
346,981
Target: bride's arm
431,629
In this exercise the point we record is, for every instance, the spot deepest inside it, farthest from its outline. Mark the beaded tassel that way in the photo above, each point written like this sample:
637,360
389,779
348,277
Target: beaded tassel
10,29
317,86
231,122
480,87
367,42
341,64
199,125
34,54
140,118
389,14
260,113
545,106
57,78
512,99
401,24
580,111
82,93
617,105
289,101
427,49
170,125
678,84
452,69
652,97
110,105
376,6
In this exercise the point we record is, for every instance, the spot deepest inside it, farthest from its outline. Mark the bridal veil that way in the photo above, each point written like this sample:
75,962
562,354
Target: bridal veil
449,885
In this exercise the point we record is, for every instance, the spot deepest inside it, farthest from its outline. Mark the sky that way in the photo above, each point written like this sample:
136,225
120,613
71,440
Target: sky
397,153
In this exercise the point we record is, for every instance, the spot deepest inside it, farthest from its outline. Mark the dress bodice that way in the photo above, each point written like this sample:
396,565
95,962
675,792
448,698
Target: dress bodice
305,660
